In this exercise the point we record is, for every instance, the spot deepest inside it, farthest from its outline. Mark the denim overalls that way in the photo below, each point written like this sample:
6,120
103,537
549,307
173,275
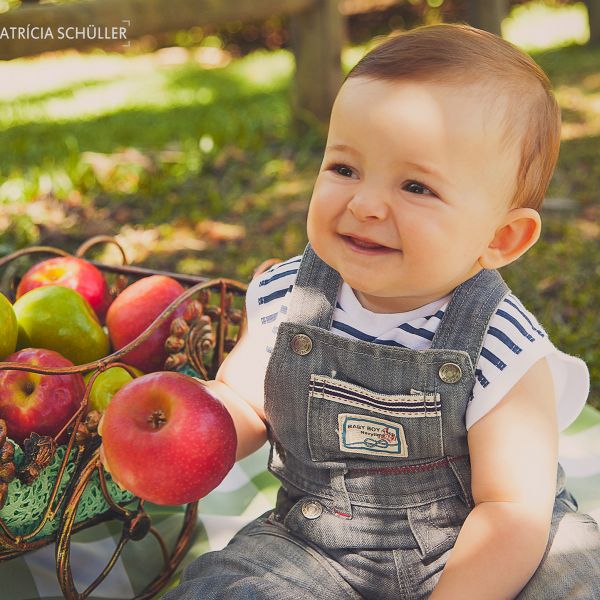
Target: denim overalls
369,442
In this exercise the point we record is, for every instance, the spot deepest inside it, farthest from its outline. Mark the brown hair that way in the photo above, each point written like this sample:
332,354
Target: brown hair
460,54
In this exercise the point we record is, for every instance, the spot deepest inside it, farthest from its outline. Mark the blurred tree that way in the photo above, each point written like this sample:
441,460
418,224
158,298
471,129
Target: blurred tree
487,14
593,7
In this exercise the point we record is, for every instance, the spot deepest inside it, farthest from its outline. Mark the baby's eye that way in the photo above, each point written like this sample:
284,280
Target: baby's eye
414,187
342,170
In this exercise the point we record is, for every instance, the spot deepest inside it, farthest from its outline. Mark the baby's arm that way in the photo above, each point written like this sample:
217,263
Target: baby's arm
238,384
514,454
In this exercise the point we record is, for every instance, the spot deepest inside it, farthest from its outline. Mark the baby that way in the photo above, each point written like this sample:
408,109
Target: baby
412,403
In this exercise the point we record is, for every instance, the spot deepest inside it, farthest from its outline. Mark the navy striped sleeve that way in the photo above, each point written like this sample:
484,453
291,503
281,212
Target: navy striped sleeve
268,294
514,342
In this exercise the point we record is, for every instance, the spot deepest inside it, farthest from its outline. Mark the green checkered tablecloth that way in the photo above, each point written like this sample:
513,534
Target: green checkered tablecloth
247,491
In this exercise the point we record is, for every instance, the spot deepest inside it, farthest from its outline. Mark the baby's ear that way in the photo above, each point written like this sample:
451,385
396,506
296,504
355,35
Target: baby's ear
519,230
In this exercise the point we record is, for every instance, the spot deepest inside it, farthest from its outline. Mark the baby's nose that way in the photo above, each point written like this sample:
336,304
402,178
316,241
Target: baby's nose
367,204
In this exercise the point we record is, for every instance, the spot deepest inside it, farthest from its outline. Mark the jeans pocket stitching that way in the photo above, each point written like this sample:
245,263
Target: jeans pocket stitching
422,521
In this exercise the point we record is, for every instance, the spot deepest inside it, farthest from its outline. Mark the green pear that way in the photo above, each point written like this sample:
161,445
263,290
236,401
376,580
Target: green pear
60,319
8,327
106,385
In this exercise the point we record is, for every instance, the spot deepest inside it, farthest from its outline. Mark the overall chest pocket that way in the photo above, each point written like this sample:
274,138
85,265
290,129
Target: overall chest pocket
347,421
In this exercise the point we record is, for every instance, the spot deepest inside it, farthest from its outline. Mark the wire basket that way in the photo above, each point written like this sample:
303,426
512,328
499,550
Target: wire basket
50,490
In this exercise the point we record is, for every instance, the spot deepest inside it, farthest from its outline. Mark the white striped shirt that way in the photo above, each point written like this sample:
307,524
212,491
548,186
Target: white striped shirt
514,341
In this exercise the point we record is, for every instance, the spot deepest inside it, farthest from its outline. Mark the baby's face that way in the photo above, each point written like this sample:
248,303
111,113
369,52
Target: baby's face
412,188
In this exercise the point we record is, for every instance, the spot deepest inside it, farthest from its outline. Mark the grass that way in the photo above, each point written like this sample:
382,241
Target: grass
201,170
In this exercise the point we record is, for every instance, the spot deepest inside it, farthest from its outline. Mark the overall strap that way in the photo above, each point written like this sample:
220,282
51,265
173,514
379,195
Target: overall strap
467,316
314,293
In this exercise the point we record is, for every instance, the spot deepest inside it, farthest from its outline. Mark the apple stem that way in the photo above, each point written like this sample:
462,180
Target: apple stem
157,419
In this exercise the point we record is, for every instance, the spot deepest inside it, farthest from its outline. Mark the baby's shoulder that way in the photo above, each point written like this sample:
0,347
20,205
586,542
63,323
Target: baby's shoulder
513,328
515,340
278,277
513,335
269,292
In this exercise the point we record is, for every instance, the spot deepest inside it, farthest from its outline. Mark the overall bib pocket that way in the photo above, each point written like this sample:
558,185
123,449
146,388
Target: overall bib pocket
347,421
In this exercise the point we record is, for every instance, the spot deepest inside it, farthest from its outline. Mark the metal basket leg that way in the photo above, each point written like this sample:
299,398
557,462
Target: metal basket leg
136,524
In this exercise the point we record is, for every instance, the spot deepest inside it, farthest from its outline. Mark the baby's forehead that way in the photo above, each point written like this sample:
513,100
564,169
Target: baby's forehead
472,93
470,109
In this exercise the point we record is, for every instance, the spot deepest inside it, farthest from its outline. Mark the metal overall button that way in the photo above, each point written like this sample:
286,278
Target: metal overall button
301,344
311,509
450,372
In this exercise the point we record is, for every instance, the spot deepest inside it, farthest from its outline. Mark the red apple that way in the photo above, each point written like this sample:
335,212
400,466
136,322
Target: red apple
35,402
75,273
134,310
167,439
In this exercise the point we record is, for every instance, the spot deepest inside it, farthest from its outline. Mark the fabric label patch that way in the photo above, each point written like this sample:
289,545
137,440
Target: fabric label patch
363,434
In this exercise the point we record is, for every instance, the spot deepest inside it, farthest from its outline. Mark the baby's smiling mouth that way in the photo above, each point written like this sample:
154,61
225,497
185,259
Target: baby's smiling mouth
365,245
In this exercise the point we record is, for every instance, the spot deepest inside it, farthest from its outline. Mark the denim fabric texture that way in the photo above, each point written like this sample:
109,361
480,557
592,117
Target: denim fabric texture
370,445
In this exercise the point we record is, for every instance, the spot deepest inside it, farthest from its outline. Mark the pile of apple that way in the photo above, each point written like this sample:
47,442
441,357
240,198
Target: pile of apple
165,438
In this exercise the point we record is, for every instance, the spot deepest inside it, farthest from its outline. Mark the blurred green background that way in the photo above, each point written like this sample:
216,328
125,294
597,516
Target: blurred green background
184,148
